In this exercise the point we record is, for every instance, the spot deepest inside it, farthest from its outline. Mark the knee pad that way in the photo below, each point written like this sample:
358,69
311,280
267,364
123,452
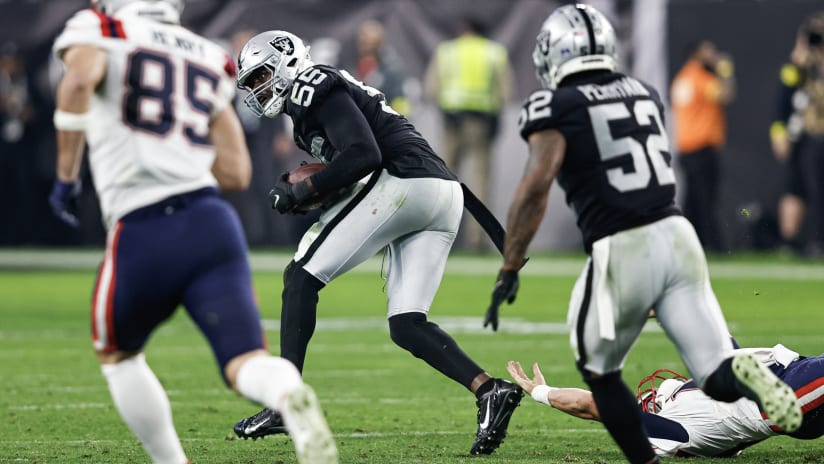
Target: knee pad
405,330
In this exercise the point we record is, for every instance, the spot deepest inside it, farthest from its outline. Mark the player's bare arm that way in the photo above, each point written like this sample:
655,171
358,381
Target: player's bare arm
233,166
85,68
546,155
573,401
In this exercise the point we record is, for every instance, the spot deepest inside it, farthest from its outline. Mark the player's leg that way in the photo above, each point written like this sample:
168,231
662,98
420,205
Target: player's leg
691,316
607,311
416,267
132,296
806,377
219,298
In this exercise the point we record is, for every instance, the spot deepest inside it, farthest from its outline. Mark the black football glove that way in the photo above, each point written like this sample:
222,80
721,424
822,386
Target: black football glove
63,201
506,288
286,197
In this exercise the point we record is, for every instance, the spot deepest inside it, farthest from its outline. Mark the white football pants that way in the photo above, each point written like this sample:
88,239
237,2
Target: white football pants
658,266
416,218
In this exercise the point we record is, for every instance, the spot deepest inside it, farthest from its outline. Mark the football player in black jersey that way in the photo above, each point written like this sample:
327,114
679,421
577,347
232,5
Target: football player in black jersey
601,134
398,195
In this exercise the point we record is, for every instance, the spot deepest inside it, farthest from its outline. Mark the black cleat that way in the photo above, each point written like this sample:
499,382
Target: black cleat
266,422
495,408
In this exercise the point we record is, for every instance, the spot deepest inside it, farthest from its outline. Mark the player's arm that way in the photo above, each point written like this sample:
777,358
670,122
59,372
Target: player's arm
348,131
526,210
85,68
573,401
233,166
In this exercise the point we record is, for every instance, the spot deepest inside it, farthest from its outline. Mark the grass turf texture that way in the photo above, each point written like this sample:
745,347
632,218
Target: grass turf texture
383,405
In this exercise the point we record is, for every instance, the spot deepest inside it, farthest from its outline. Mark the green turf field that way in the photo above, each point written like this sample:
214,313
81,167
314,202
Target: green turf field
383,405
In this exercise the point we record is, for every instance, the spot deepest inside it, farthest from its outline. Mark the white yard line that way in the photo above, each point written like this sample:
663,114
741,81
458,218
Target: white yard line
20,259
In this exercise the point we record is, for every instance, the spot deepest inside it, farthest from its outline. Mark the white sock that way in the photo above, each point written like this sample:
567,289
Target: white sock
266,379
145,408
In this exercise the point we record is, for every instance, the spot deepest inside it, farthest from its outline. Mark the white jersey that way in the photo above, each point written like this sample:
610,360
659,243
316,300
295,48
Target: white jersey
148,133
715,427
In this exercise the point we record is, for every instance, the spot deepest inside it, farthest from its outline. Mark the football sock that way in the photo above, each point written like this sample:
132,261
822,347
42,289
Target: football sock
723,385
485,387
427,341
621,416
145,408
298,313
265,379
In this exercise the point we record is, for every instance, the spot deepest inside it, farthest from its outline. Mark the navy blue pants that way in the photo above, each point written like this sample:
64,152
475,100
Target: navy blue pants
806,377
187,249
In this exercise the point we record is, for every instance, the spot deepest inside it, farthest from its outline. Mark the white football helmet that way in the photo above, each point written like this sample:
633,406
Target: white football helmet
573,39
267,66
164,11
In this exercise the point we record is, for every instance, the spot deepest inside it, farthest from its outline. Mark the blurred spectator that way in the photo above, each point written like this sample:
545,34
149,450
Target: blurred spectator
797,136
379,66
471,80
700,91
15,115
786,134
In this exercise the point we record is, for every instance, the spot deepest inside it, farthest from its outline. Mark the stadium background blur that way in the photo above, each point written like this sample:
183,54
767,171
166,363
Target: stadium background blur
653,35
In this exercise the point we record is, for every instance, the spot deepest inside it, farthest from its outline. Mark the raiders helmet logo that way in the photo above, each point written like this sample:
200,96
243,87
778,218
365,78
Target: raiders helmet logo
283,45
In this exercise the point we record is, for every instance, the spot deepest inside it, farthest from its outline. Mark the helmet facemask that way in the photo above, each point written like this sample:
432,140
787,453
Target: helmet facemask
267,66
651,398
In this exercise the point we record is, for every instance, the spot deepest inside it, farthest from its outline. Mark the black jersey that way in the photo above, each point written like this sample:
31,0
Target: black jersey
617,170
404,152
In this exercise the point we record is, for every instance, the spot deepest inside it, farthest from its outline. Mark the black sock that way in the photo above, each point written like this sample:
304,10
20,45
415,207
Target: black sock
485,387
298,313
427,341
723,385
621,416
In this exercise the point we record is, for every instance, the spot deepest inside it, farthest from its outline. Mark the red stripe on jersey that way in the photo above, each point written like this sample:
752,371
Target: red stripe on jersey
110,27
111,343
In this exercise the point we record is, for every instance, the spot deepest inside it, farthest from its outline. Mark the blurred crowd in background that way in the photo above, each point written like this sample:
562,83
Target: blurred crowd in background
459,71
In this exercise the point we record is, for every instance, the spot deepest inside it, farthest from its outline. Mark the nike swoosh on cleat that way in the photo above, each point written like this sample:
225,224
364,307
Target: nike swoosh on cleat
276,200
485,422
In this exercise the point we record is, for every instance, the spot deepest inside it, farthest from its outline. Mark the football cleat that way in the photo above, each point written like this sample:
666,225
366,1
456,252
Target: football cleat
495,408
308,428
266,422
777,399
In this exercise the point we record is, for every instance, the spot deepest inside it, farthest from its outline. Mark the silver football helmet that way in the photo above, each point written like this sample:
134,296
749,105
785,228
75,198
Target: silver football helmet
267,66
164,11
573,39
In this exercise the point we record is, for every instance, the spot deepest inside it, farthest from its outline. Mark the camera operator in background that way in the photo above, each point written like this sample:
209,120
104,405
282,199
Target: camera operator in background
797,138
700,91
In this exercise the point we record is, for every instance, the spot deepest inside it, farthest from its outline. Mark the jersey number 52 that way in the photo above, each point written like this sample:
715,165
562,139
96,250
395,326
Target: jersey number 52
645,113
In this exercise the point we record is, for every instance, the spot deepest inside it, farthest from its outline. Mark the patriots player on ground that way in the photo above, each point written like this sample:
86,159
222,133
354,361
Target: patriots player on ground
682,421
601,133
153,101
400,196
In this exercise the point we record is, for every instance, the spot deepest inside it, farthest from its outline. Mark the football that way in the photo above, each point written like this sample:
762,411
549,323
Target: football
303,171
314,202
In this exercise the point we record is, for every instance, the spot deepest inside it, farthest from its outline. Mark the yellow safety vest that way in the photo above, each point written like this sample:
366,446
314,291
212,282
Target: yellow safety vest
469,68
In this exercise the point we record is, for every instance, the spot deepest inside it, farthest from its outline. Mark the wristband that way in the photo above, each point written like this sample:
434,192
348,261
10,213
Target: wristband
64,120
541,394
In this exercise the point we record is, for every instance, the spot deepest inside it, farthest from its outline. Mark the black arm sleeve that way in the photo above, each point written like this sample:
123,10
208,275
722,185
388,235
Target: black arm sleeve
348,131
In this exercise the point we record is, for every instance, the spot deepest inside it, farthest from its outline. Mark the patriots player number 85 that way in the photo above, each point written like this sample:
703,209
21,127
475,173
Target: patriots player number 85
645,113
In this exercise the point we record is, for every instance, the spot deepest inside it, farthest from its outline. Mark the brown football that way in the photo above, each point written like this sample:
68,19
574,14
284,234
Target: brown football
304,170
314,202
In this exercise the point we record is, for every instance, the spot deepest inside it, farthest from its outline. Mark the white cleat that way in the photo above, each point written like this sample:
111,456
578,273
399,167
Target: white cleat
307,427
777,398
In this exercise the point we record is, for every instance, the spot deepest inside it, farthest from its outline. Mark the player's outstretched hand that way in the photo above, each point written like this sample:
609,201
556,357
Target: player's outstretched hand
506,288
518,375
63,201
